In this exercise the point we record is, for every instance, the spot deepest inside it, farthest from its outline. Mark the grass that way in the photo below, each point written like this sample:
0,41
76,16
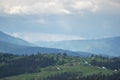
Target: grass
72,65
52,70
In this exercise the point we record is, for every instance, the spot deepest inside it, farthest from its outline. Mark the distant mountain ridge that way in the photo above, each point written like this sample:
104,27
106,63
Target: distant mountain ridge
10,39
104,46
9,44
17,49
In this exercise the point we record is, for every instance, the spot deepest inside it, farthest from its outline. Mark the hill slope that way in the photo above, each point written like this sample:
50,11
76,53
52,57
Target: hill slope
57,67
9,44
17,49
7,38
105,46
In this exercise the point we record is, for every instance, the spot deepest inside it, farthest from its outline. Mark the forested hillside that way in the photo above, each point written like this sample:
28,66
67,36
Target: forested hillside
58,67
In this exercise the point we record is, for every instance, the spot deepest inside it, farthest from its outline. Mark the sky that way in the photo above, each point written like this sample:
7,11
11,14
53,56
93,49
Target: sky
55,20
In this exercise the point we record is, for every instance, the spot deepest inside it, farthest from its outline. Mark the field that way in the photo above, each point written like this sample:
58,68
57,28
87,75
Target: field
64,64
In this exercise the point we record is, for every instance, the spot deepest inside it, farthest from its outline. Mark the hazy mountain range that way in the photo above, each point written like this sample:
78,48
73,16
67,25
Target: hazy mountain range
10,39
104,46
9,44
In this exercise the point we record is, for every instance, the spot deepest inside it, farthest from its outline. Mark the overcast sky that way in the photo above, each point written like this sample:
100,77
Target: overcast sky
53,20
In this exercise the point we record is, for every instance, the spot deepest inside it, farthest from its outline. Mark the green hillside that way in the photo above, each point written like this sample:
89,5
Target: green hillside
48,66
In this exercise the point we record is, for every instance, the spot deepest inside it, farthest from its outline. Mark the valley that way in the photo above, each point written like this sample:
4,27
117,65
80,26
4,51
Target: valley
59,39
64,60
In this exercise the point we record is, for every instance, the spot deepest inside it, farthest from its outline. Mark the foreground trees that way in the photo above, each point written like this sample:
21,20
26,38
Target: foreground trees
78,76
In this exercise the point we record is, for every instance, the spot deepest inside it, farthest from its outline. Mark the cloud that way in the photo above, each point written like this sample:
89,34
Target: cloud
33,37
41,21
85,5
30,7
